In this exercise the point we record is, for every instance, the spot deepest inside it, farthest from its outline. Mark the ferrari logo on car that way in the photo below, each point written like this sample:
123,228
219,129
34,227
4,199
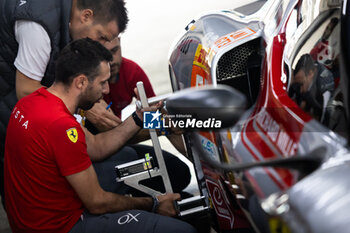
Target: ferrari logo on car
72,134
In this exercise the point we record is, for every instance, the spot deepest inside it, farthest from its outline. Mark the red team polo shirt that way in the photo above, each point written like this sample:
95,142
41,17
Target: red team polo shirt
122,91
44,143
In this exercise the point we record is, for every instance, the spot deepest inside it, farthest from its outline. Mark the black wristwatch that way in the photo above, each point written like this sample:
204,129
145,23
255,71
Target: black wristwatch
137,120
155,204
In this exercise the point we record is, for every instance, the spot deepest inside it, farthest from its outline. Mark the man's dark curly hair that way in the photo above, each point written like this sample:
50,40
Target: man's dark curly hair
82,56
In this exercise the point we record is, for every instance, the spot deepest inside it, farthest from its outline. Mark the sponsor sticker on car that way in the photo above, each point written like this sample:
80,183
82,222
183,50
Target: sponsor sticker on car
233,37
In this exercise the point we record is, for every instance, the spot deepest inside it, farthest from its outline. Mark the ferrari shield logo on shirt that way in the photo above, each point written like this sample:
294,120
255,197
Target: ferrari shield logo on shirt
72,134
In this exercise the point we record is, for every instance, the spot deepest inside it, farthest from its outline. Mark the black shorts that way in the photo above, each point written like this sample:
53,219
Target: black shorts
132,221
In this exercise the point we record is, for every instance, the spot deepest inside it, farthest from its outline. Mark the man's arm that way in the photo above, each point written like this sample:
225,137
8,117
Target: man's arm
97,201
25,85
105,120
102,145
34,48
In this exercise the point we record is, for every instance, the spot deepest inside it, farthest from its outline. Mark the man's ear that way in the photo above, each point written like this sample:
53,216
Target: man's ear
80,82
86,16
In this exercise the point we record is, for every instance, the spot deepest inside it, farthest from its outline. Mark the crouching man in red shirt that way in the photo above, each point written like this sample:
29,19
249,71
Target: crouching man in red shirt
50,183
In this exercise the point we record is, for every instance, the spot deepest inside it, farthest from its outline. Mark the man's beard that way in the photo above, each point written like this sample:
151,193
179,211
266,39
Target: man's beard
86,102
115,68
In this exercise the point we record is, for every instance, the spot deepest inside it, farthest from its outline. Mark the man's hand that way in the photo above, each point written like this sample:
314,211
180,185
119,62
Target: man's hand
166,204
101,118
151,108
